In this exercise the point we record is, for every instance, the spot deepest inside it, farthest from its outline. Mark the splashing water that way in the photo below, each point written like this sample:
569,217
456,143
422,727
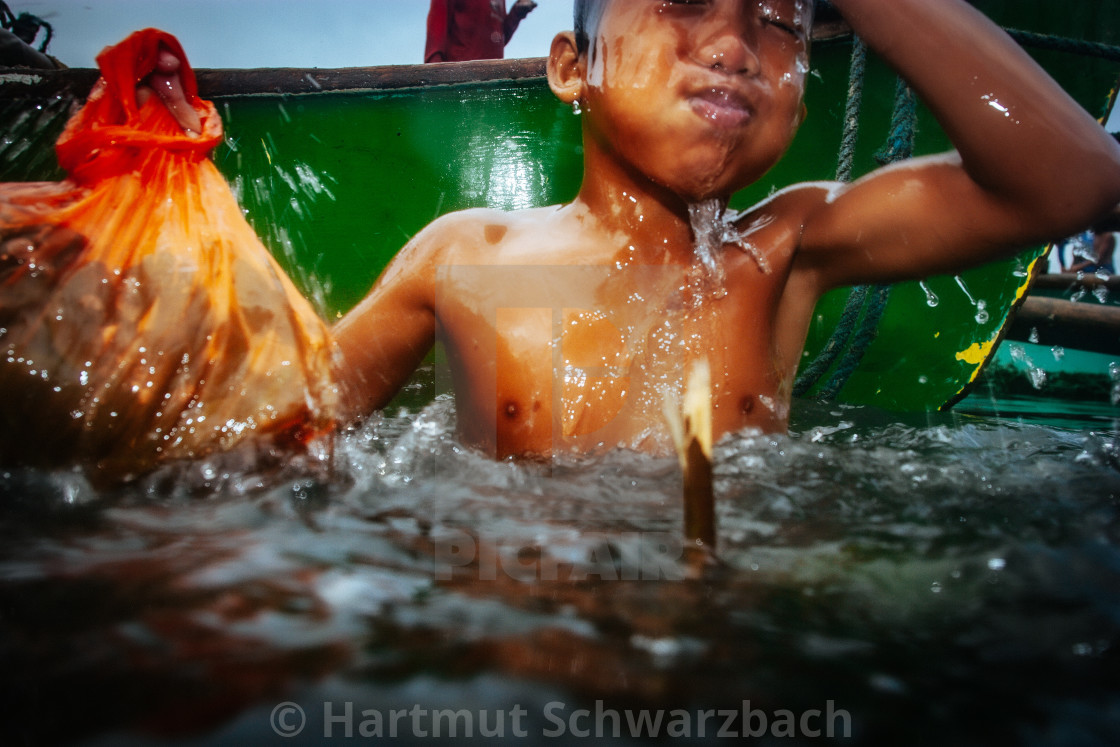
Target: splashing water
425,575
931,298
982,315
709,233
281,205
1101,291
713,228
964,289
1037,374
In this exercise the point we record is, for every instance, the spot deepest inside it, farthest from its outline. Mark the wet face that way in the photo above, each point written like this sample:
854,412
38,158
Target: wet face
700,96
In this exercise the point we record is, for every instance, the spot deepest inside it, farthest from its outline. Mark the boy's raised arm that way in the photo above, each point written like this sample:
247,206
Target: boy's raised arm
1030,164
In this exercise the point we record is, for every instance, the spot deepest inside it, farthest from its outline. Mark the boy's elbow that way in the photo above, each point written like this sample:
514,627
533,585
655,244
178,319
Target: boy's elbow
1105,177
1103,206
1080,197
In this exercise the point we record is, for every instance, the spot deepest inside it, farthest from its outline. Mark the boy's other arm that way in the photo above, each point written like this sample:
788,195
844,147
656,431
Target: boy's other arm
385,337
1030,165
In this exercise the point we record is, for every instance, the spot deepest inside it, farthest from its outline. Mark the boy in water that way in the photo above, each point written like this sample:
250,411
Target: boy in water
565,327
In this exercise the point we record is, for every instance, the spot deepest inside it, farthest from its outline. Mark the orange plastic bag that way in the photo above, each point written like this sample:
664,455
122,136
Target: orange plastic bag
141,320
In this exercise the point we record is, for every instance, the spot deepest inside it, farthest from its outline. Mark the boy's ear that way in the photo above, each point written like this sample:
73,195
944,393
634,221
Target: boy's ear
565,69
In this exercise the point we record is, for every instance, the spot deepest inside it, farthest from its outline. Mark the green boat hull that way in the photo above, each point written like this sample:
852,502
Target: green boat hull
335,182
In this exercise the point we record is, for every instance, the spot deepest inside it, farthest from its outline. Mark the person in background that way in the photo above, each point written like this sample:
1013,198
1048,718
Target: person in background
1100,258
18,34
460,30
1073,249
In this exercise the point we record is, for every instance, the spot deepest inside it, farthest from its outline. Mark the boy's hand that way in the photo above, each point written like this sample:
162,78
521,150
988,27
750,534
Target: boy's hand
43,250
522,8
164,82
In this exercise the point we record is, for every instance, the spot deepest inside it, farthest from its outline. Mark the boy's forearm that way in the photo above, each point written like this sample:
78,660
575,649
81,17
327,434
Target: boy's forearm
1020,136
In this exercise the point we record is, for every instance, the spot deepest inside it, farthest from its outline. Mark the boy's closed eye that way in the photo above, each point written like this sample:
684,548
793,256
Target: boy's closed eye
782,18
784,26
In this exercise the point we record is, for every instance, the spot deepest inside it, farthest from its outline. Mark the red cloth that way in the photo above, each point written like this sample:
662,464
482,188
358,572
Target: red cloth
460,30
142,319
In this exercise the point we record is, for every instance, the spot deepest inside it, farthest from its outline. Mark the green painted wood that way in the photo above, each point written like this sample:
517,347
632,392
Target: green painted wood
336,182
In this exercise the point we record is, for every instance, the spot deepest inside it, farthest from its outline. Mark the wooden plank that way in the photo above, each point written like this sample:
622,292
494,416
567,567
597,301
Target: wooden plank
1071,281
217,82
1052,321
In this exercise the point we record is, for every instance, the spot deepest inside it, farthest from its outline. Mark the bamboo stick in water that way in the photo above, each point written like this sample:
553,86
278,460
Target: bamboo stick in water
692,433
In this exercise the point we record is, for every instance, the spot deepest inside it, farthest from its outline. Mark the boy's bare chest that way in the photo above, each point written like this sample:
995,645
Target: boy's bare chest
577,357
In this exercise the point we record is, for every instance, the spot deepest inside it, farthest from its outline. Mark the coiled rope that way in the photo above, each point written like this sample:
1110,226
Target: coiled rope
859,322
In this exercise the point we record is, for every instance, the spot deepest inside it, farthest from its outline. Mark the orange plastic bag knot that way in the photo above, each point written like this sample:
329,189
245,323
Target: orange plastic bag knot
141,319
113,132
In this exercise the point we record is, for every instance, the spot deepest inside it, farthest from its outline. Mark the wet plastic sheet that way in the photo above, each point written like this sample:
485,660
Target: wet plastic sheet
141,320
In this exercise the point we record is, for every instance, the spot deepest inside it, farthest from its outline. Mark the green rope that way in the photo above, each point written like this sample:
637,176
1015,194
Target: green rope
836,343
899,146
839,338
1065,44
877,297
900,141
856,74
865,304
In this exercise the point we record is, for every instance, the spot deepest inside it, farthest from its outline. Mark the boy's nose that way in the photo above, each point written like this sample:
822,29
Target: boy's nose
727,46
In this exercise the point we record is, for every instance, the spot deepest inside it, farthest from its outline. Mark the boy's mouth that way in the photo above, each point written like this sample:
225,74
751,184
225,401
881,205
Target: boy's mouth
723,106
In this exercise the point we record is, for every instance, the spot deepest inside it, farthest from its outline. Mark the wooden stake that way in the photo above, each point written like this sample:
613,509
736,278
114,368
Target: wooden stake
692,434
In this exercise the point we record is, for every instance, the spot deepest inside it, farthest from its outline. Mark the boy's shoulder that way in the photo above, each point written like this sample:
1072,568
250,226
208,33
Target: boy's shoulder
794,203
460,226
786,212
483,234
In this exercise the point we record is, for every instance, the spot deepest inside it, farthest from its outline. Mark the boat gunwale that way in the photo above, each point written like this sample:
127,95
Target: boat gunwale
22,82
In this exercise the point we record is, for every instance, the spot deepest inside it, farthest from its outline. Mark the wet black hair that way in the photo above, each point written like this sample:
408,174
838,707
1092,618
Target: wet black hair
586,18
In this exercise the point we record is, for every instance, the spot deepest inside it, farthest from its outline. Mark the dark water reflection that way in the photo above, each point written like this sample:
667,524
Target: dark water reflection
951,580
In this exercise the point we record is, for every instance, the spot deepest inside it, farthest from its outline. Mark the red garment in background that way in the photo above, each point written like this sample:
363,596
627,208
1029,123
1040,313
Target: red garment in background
460,30
141,318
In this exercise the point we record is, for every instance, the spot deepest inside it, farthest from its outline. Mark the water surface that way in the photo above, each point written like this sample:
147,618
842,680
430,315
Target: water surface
943,579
